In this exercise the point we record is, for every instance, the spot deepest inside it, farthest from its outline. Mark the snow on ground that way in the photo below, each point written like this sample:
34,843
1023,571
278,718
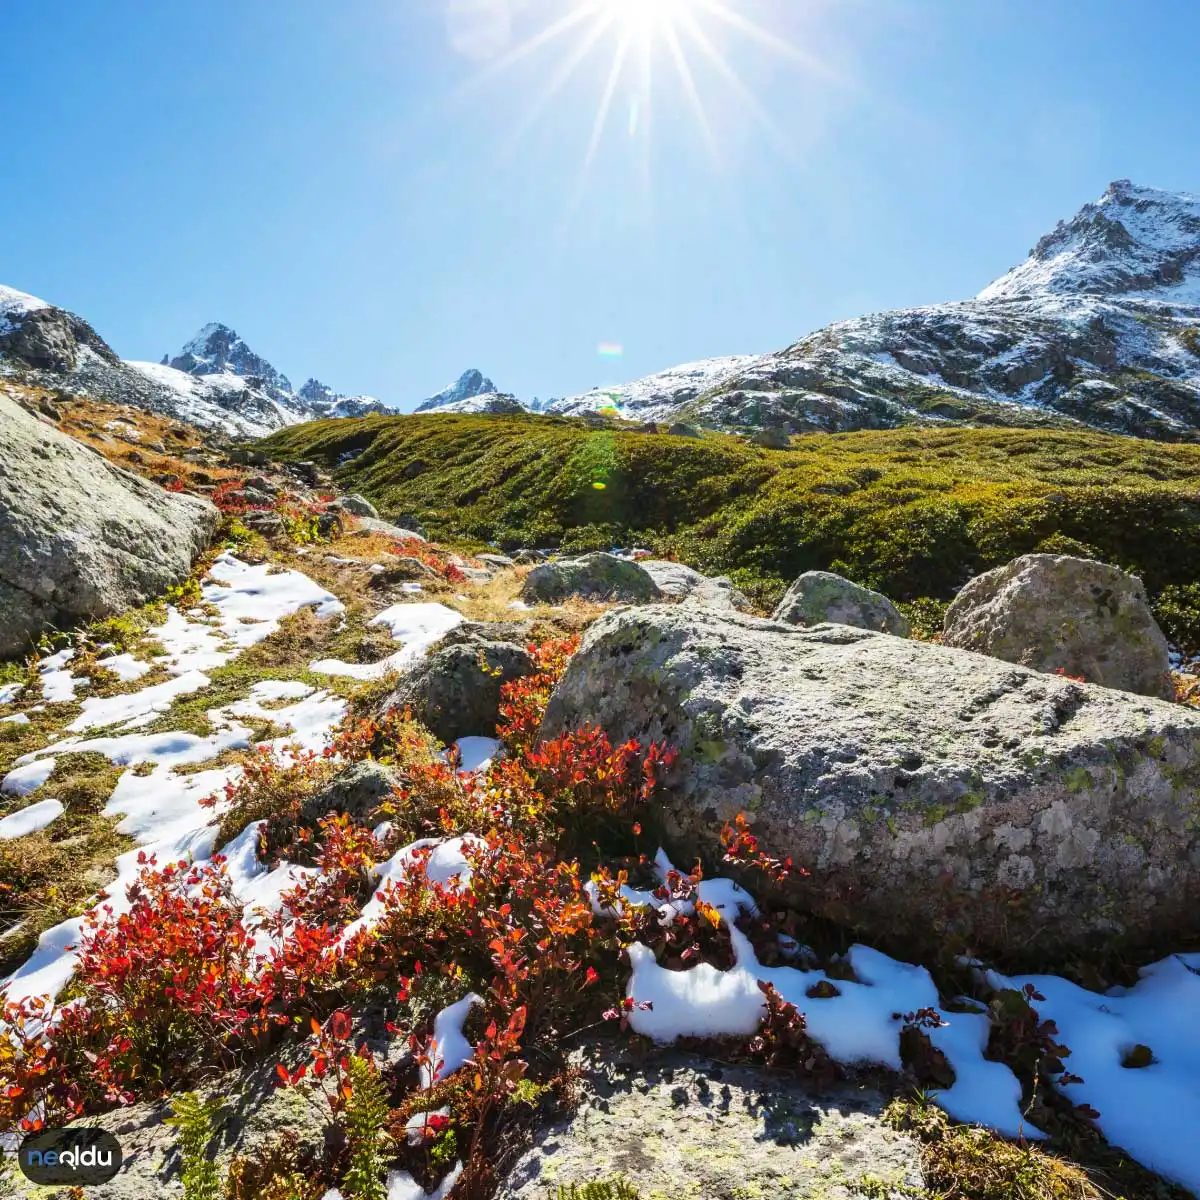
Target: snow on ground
124,666
25,778
417,626
448,1048
476,753
58,684
30,820
137,708
10,691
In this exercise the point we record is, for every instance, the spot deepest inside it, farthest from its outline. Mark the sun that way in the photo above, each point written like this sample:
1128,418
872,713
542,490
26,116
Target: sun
643,19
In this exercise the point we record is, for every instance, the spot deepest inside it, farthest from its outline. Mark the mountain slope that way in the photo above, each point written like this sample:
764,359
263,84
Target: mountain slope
913,512
1100,326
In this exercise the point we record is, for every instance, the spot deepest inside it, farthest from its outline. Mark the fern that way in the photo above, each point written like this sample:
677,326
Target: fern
196,1121
601,1189
366,1114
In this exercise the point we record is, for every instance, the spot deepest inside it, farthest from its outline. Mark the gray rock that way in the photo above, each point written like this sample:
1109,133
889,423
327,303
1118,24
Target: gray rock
246,457
1062,614
529,558
683,583
455,690
357,791
388,529
79,537
477,575
685,1126
499,561
593,577
819,596
937,796
407,521
356,505
267,523
774,437
683,429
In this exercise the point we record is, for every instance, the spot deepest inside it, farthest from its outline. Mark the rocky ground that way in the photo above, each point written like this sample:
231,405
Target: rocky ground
951,807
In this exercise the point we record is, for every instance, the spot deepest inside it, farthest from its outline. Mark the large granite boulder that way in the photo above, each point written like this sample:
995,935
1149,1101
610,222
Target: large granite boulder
820,596
592,577
1062,614
935,795
355,792
80,538
454,691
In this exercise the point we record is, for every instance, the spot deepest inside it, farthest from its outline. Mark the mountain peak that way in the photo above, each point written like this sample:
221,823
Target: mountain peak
1134,240
470,383
218,350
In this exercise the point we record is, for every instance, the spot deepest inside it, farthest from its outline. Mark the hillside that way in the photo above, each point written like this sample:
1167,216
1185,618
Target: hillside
912,512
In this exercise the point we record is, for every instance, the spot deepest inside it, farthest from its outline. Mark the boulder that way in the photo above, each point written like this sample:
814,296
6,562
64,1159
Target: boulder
357,792
681,1125
455,690
496,561
774,437
1074,616
683,429
400,532
409,522
80,538
592,577
356,506
820,596
938,797
683,583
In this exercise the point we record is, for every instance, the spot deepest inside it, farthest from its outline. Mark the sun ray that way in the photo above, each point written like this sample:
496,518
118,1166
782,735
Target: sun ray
683,67
594,8
781,46
598,127
556,83
733,79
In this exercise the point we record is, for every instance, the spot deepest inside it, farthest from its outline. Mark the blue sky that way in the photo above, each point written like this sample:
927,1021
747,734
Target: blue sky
367,194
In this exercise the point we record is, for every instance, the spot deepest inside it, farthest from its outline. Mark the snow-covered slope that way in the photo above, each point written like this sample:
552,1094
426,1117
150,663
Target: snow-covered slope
1100,326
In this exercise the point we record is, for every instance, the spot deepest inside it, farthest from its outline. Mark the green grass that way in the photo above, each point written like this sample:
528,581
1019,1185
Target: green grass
912,512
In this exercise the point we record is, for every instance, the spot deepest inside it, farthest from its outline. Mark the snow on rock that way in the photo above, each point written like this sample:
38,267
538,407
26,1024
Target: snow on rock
469,385
448,1048
402,1186
10,691
30,820
475,754
16,304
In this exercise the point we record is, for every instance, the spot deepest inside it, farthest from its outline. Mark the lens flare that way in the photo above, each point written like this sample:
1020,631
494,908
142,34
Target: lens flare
610,350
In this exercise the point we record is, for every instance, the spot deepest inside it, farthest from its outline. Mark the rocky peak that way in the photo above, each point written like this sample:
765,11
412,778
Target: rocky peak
468,385
1132,240
218,350
315,392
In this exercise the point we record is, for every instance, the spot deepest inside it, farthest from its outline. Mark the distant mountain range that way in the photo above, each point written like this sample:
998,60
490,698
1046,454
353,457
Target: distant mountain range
1099,326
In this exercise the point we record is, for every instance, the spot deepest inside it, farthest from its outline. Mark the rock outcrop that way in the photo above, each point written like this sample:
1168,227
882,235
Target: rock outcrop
678,582
934,794
819,596
684,1126
592,577
1069,615
79,538
455,690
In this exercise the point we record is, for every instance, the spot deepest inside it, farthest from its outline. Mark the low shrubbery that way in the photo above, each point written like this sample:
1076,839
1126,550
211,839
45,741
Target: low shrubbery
912,513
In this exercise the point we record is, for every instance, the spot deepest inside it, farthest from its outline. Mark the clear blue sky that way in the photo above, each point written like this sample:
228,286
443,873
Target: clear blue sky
361,192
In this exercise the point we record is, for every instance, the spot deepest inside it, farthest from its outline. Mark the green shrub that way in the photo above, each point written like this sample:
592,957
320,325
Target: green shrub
1177,610
196,1121
912,512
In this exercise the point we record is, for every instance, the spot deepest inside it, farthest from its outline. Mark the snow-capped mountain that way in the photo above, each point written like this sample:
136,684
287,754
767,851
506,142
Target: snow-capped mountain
216,381
469,385
1100,325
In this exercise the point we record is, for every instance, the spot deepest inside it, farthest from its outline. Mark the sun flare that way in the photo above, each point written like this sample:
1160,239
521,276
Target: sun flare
643,19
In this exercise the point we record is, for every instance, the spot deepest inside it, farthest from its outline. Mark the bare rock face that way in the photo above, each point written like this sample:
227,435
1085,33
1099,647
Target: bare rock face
683,1126
1061,614
678,582
80,538
819,596
935,795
